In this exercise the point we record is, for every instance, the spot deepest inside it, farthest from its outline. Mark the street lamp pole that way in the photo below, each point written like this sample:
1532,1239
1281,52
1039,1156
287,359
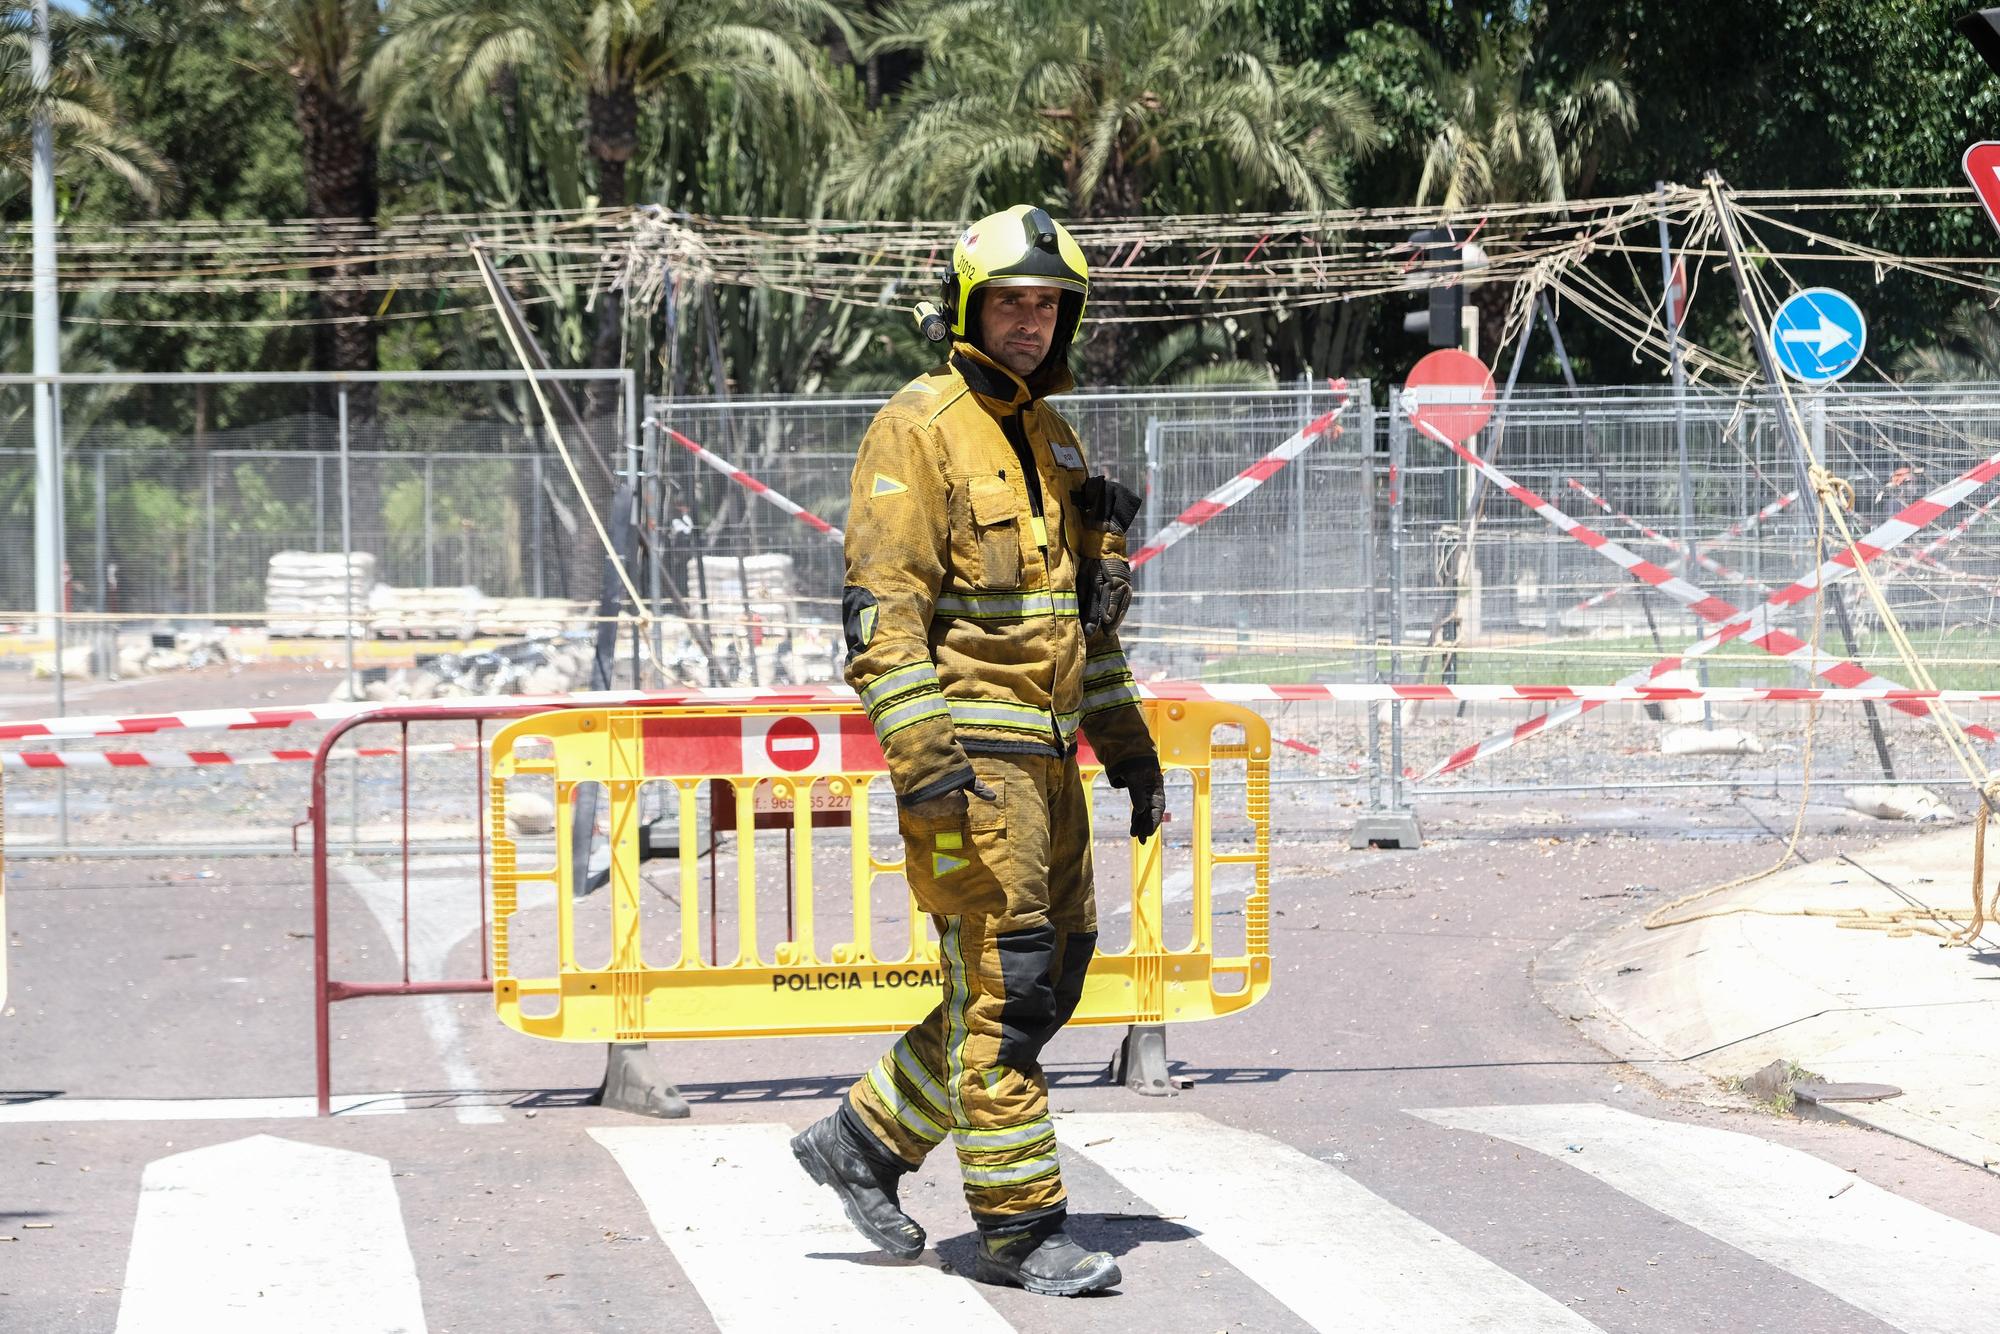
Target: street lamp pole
48,348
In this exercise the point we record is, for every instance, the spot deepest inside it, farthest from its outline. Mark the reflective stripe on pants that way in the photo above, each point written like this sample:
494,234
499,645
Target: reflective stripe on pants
1009,891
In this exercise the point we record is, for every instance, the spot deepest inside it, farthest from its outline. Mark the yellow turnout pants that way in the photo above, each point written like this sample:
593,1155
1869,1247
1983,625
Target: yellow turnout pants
1009,889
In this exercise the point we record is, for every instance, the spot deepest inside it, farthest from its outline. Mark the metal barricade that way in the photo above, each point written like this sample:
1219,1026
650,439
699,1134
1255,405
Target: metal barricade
800,760
327,990
3,894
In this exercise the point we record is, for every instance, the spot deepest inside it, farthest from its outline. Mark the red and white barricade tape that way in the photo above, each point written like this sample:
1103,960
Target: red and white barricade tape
751,484
201,759
1707,562
1742,526
1695,599
1925,556
237,720
1737,529
1756,627
1701,558
1252,477
786,745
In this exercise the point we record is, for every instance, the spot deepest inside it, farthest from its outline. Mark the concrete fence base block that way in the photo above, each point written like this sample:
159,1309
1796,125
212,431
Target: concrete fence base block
633,1083
1140,1063
1386,829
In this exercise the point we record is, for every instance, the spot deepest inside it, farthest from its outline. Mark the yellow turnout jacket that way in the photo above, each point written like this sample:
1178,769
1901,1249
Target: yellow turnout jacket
960,610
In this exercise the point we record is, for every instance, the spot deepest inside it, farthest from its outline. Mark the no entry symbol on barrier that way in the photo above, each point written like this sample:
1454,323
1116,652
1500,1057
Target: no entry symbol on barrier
792,744
1451,393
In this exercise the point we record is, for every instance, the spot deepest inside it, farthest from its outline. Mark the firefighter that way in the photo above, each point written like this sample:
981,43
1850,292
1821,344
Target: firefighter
986,577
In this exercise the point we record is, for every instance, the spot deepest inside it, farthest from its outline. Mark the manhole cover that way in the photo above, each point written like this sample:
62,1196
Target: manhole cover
1812,1090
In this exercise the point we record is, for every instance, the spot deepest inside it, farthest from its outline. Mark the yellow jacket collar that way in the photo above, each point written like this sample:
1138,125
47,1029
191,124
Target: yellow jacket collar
990,380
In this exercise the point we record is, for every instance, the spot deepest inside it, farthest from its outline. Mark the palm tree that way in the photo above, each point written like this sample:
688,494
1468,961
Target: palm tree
1968,349
89,127
1086,102
620,55
1199,356
1505,135
321,47
1089,106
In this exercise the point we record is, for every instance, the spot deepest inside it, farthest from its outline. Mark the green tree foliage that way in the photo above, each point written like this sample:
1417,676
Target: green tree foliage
319,48
1968,349
619,56
235,155
1859,94
1090,104
945,108
1506,133
81,103
1101,108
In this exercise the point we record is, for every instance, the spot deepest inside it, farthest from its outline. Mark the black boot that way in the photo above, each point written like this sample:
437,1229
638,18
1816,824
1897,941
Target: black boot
1045,1260
837,1155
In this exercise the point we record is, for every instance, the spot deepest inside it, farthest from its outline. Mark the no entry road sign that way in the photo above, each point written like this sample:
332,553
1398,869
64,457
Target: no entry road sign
1818,335
1451,392
1982,167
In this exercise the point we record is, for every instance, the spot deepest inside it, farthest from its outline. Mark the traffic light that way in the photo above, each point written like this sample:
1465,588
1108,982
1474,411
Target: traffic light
1439,253
1982,28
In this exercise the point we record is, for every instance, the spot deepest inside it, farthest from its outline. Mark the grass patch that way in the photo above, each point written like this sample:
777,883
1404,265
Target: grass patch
1963,661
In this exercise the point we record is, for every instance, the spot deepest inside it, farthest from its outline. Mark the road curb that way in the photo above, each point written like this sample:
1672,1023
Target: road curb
1559,977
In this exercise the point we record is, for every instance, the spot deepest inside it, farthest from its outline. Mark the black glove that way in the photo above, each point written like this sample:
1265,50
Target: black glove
1104,583
950,804
1148,787
1104,594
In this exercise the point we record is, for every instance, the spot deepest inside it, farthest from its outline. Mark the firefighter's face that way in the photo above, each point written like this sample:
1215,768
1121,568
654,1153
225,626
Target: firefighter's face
1017,324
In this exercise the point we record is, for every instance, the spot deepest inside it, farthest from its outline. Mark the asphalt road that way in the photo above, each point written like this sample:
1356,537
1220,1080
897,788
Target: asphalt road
1402,1136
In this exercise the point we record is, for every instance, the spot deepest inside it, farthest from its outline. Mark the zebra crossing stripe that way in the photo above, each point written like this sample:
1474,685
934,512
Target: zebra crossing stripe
1340,1256
1907,1265
767,1249
265,1234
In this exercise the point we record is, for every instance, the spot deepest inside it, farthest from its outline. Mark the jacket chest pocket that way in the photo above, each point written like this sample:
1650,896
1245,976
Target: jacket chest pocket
990,543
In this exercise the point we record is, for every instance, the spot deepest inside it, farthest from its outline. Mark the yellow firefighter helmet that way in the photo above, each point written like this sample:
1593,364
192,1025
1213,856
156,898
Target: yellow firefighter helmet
1017,247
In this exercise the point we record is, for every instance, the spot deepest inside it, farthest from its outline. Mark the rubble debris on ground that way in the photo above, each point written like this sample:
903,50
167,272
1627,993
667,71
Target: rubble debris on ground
543,665
529,813
561,665
129,653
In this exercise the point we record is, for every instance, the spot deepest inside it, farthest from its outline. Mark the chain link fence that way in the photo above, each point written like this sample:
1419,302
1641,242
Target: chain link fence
1374,556
1489,591
1206,596
177,493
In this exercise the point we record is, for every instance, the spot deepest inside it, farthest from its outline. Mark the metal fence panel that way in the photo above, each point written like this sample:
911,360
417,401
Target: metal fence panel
1374,555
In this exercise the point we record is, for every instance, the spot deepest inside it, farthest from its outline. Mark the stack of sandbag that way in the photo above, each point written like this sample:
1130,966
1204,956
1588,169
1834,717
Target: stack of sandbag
310,593
532,616
736,588
424,613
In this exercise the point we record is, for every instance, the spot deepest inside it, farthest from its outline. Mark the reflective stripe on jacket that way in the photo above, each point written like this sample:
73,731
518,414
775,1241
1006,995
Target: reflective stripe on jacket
960,608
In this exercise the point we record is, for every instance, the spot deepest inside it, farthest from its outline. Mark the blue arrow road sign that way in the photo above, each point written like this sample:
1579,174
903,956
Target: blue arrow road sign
1818,335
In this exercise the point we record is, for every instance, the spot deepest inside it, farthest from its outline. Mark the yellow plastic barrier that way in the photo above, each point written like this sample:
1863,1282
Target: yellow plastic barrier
794,986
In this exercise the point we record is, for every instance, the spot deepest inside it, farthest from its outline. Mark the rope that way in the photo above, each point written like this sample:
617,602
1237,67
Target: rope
1835,497
1833,489
569,463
